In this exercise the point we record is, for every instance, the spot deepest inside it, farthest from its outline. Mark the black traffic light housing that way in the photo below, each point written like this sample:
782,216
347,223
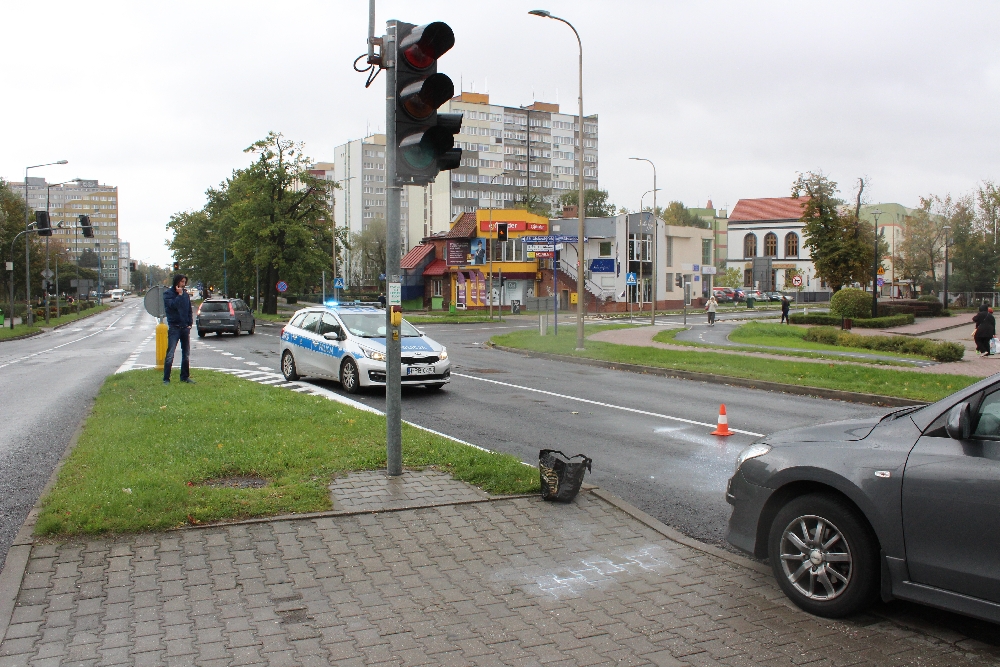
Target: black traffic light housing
86,227
177,266
133,266
42,223
502,232
425,139
679,280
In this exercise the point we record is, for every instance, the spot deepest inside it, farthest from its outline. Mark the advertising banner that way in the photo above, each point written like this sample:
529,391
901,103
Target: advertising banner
602,265
460,288
457,253
477,252
514,226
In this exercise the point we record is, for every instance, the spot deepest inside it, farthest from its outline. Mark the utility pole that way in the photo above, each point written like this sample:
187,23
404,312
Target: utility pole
393,192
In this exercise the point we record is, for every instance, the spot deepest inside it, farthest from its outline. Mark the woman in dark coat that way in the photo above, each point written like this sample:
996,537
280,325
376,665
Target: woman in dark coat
986,328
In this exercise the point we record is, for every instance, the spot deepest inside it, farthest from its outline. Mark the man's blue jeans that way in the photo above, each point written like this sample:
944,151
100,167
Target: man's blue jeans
174,334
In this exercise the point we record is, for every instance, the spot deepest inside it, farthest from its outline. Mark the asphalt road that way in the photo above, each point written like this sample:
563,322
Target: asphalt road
47,385
648,436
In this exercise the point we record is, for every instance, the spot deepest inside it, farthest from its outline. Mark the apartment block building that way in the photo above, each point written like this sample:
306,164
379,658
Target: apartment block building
510,155
65,203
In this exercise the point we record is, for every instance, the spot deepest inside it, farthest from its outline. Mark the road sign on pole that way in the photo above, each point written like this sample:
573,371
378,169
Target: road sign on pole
338,283
797,281
47,273
630,279
282,286
881,282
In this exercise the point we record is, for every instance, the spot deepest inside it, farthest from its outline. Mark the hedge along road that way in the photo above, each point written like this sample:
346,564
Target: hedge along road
719,335
648,436
48,384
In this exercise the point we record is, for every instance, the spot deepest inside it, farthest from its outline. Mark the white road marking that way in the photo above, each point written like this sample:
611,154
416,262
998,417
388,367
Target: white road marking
604,405
10,363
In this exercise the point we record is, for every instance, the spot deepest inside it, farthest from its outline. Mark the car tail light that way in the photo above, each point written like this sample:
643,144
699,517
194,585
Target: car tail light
231,311
282,332
199,308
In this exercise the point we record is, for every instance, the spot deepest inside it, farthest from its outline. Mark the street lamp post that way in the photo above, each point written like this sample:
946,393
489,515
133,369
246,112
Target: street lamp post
947,242
27,246
875,214
580,202
638,284
655,276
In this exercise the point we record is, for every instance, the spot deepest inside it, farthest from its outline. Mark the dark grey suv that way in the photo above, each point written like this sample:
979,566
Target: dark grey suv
906,506
225,316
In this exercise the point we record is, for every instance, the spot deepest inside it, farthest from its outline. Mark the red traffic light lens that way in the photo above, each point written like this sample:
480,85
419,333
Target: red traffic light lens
427,43
421,98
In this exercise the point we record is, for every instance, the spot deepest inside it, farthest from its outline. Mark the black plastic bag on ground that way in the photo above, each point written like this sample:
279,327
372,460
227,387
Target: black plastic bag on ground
561,475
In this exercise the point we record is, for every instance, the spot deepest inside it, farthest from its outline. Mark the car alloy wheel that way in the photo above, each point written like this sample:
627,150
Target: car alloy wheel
253,326
237,332
816,558
288,367
824,555
349,376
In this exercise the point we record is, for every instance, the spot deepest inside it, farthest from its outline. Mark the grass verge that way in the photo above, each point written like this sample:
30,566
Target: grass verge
449,318
23,330
845,377
147,449
19,330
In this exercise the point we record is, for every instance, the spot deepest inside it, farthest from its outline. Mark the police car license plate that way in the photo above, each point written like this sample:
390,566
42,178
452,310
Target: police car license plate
418,370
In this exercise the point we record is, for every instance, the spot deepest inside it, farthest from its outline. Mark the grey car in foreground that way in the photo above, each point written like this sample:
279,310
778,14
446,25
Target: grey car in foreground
906,506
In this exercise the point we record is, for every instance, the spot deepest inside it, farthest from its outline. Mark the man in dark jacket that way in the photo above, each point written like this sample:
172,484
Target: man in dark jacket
986,328
177,305
785,306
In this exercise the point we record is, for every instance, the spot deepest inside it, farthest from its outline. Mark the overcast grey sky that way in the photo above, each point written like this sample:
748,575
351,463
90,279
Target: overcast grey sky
730,99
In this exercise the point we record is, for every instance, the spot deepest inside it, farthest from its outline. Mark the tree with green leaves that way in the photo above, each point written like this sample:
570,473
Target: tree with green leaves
840,243
678,215
921,251
733,277
595,202
368,253
269,217
974,257
11,224
531,202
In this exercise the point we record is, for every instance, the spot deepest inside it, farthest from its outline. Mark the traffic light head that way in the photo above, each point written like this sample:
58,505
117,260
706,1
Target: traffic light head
679,280
42,223
177,266
502,232
86,227
425,139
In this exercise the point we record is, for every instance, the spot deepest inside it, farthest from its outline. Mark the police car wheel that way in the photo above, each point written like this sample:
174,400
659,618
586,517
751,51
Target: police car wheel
201,334
349,377
288,367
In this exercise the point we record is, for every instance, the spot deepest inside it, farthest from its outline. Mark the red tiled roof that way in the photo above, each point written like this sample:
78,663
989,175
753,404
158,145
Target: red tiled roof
436,268
412,259
768,208
465,228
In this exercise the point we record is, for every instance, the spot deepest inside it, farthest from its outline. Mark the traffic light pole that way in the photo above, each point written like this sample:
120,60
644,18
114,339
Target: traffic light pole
393,352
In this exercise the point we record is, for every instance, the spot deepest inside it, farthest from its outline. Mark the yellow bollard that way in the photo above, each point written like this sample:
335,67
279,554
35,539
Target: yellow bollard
161,344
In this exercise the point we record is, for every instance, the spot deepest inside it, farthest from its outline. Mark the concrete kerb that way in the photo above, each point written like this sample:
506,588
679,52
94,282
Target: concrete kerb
818,392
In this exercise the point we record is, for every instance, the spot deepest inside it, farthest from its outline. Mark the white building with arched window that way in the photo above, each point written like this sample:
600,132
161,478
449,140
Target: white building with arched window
770,230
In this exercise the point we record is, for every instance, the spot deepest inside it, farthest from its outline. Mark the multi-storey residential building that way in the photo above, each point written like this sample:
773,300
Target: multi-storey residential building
124,258
65,203
500,146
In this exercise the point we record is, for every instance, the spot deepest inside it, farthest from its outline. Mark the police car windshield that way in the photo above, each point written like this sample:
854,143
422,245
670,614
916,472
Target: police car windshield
372,325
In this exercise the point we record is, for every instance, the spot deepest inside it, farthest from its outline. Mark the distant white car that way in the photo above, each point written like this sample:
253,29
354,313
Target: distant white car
117,295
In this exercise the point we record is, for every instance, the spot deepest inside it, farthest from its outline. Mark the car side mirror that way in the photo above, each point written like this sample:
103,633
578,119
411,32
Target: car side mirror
959,422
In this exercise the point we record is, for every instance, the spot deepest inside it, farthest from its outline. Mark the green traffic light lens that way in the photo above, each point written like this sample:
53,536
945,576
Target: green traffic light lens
418,156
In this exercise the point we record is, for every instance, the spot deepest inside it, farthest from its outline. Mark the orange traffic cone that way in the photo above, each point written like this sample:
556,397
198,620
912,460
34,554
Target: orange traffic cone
723,427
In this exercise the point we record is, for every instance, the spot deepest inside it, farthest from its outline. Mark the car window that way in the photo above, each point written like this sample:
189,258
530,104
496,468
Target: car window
214,307
372,325
987,418
329,324
311,322
297,320
239,305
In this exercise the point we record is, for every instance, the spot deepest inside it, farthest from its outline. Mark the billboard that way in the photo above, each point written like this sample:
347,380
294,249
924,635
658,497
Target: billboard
457,253
514,226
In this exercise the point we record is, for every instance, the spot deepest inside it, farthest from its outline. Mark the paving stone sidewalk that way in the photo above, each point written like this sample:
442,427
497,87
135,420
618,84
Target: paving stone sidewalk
494,582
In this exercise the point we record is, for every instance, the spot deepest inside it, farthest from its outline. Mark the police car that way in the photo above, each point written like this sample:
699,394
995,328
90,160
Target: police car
346,342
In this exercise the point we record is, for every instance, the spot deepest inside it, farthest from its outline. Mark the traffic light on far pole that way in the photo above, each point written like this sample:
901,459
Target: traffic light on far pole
42,223
86,227
425,139
502,232
177,266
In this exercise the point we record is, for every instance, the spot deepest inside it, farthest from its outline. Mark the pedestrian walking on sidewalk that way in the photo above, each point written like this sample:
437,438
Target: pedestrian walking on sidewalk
177,305
710,308
986,328
785,306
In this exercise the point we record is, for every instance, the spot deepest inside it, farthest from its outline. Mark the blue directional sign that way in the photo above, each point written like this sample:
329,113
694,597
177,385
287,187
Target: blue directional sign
556,238
338,283
630,279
